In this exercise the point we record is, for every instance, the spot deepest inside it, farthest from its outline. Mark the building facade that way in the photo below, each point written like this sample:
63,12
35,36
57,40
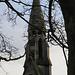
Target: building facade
37,49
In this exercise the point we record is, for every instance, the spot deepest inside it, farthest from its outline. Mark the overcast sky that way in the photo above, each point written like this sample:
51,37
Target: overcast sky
16,33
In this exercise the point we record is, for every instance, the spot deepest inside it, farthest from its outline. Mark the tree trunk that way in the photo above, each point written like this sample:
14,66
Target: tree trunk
68,10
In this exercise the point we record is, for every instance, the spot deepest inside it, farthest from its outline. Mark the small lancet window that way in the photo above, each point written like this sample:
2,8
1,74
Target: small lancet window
39,33
33,32
40,48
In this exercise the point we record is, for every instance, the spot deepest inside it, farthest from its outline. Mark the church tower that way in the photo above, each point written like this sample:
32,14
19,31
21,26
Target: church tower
37,49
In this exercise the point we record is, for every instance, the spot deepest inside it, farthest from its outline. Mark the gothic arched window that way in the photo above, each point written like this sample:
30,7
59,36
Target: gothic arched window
40,48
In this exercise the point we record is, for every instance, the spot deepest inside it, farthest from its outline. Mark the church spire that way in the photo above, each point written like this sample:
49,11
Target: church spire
36,17
37,49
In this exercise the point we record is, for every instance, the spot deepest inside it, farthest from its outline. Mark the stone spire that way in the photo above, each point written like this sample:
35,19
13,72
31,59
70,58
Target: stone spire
36,17
37,49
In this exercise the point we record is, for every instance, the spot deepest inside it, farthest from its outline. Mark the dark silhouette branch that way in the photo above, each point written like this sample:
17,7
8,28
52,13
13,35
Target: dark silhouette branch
27,4
65,57
2,58
50,24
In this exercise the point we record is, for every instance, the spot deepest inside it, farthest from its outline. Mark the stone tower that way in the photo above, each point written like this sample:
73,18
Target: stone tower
37,49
